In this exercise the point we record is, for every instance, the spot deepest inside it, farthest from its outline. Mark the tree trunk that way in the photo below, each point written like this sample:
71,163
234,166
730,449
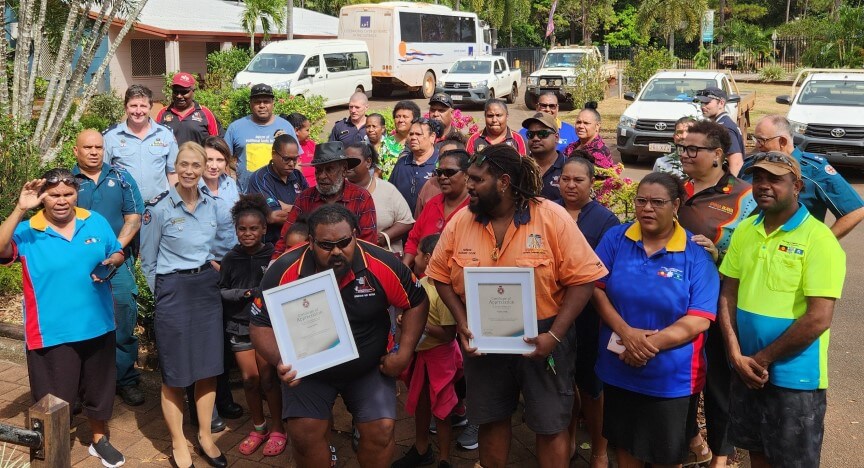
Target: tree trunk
586,35
457,6
289,19
788,7
835,13
722,19
21,70
29,91
671,41
4,81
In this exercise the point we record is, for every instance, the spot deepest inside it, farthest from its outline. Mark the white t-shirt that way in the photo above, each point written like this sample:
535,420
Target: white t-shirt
390,208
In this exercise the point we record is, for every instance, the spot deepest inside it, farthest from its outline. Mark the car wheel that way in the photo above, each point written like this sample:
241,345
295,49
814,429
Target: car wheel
530,100
514,93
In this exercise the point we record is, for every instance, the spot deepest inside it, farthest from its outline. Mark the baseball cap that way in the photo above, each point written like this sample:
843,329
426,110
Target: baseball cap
709,93
776,163
543,119
441,98
183,79
261,89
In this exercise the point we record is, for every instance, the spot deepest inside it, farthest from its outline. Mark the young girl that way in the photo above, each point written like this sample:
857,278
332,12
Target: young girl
241,273
436,366
301,126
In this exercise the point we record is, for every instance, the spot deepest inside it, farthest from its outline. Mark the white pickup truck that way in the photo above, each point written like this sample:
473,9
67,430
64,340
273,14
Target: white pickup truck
558,70
647,125
473,80
827,114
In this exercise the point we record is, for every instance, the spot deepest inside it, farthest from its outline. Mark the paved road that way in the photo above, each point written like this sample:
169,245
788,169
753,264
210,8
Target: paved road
844,424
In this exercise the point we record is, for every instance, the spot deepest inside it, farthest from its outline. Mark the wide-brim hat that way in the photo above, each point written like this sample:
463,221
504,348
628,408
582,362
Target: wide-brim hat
330,152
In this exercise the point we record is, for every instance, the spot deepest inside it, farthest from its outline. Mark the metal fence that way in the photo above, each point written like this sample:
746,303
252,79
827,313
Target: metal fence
528,58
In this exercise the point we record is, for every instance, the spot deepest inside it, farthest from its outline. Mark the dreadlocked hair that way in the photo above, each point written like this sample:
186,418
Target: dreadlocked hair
525,178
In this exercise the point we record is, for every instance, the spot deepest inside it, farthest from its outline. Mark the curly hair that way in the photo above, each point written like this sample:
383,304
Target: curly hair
526,180
250,204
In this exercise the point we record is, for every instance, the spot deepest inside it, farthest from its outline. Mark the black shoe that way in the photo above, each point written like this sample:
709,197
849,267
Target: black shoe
131,395
175,465
217,425
413,458
230,411
106,453
218,462
444,464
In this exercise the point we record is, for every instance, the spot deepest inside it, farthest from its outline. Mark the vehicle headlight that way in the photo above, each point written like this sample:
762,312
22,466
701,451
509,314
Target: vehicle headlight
478,84
629,122
440,83
798,127
283,85
533,80
570,80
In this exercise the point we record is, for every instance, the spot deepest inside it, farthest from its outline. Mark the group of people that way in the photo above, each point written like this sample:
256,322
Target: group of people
723,285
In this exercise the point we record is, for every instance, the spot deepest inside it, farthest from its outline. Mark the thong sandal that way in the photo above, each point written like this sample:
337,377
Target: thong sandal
275,444
251,443
699,454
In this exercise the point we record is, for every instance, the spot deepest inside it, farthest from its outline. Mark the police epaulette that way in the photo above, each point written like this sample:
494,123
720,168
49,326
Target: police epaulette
156,199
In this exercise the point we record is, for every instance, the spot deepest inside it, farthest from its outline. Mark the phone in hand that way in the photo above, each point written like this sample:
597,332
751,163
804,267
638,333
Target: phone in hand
104,271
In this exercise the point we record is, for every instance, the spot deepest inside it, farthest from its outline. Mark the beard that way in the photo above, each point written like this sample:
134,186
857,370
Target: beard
485,203
334,189
342,269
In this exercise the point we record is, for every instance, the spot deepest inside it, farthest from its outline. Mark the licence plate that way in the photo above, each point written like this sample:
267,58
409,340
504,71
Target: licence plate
456,97
660,147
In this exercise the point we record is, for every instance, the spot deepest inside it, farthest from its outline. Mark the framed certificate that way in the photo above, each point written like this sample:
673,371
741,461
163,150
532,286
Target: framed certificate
501,308
310,324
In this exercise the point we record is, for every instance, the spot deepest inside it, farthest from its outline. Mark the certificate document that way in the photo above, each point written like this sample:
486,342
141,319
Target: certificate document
310,324
501,311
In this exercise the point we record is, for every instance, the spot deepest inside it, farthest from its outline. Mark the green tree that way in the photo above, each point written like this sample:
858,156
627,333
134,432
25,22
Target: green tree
269,12
624,29
830,42
585,16
668,17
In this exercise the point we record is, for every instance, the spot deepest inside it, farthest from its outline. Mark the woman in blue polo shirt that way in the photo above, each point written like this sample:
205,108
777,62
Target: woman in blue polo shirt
178,241
593,219
656,303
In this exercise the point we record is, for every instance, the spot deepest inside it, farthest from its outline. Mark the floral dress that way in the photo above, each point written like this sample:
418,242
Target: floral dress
597,148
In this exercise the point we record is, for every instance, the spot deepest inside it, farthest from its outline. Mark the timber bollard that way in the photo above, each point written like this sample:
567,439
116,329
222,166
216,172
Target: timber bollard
50,417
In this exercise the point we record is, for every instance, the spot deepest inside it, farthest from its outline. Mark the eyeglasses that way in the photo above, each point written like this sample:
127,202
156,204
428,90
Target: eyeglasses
761,141
287,159
61,180
539,133
448,173
547,106
656,203
328,245
692,151
772,157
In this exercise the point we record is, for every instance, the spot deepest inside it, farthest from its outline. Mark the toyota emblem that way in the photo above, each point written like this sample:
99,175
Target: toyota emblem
660,126
838,132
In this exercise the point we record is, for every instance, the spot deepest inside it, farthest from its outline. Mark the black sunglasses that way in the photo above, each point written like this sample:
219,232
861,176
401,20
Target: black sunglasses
448,173
61,180
479,159
540,133
328,245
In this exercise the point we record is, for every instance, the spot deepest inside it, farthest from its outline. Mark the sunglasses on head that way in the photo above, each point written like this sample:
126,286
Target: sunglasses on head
479,159
448,173
61,180
330,245
773,157
539,133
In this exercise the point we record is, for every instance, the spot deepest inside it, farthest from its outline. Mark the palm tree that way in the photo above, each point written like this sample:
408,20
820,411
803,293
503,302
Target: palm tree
666,17
270,12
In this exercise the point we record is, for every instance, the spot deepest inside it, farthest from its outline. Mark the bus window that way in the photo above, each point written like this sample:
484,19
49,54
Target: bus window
336,62
409,26
467,31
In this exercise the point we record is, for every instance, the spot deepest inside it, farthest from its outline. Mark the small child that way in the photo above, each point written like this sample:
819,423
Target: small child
240,277
297,234
301,126
430,377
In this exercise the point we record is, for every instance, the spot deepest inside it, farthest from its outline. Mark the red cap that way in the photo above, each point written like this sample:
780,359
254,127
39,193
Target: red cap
183,79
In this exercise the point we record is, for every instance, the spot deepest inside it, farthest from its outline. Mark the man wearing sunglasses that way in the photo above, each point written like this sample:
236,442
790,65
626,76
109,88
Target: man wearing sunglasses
824,188
548,104
784,272
332,187
713,105
280,182
541,133
371,280
188,120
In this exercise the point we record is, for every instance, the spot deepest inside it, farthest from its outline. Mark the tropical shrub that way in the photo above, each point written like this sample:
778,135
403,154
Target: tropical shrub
645,63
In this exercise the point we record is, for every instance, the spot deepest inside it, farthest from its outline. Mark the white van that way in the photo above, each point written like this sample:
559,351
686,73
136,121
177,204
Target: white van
331,68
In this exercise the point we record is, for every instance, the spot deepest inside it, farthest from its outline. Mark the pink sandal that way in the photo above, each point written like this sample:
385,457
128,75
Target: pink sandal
251,443
275,444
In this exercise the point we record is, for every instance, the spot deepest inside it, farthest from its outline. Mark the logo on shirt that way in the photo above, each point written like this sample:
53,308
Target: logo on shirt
159,142
256,306
111,183
534,242
146,217
829,169
720,207
363,287
791,249
674,273
555,181
168,118
91,240
196,117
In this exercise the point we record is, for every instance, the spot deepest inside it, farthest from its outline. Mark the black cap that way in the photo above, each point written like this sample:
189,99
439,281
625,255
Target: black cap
332,151
261,89
710,93
441,98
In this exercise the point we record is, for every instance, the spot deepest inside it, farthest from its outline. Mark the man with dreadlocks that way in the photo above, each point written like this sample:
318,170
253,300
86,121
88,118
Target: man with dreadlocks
508,225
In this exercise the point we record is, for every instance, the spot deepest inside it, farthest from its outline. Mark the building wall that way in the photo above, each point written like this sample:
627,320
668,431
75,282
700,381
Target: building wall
121,67
193,58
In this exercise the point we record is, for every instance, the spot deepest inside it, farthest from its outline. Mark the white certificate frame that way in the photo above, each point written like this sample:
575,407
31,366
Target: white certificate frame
514,344
345,348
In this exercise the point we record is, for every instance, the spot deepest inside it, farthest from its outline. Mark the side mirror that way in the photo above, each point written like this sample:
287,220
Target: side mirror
629,96
734,98
311,71
444,71
784,99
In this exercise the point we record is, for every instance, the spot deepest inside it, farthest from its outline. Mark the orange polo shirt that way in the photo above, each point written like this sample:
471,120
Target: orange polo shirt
544,238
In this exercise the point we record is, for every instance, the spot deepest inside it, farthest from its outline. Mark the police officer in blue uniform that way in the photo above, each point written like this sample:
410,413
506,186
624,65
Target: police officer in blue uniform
824,189
352,129
178,239
113,193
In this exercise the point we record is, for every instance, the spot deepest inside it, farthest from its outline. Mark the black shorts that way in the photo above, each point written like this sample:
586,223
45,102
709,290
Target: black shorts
84,369
653,429
587,343
368,397
239,343
785,425
496,380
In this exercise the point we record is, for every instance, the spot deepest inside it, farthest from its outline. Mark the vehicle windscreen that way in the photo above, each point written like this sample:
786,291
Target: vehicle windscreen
563,59
479,67
275,63
833,93
674,89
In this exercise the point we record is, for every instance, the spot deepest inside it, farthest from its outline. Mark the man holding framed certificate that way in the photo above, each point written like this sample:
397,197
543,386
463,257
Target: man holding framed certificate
370,280
508,225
